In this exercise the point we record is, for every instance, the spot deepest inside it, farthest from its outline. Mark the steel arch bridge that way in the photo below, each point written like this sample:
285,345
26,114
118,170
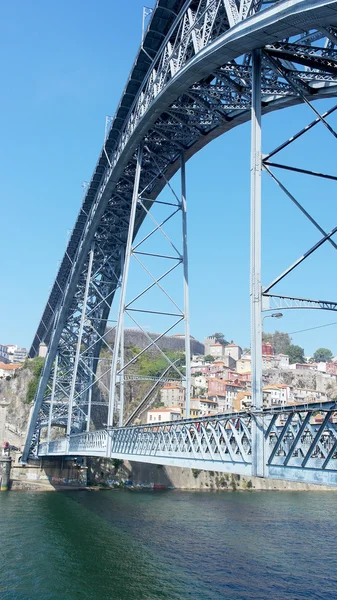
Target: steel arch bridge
203,67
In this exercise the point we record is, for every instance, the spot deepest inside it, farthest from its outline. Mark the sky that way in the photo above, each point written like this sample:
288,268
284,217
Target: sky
64,66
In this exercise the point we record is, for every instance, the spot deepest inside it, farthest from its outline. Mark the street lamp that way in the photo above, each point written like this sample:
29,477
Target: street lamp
274,315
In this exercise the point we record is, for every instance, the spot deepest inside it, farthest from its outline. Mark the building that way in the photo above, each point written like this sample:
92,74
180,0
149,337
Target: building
204,405
4,355
243,400
194,413
8,369
276,395
43,350
267,348
197,359
244,365
216,387
172,394
281,361
331,368
200,384
163,415
216,350
305,396
234,351
207,343
303,366
11,349
275,361
20,355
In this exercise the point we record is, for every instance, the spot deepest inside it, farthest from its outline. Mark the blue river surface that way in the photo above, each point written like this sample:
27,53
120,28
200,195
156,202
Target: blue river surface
123,545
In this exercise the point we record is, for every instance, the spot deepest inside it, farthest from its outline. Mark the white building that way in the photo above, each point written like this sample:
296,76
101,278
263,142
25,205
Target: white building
11,349
234,351
8,369
197,359
162,415
276,395
224,403
172,394
216,350
275,361
205,406
304,396
4,357
200,383
43,350
244,365
20,355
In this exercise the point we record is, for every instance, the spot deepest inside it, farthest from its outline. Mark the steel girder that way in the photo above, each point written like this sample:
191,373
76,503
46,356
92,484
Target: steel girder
300,442
197,86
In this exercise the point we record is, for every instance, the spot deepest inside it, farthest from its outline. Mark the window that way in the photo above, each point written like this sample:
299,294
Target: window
150,417
159,417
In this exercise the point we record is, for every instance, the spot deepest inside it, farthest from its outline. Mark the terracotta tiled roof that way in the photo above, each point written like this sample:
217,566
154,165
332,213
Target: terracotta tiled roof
172,409
10,366
172,386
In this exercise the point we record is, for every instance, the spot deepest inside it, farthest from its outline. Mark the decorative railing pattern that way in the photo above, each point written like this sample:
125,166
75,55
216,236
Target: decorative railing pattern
303,437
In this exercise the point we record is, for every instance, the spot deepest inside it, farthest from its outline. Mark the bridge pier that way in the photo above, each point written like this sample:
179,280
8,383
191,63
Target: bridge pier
258,462
5,472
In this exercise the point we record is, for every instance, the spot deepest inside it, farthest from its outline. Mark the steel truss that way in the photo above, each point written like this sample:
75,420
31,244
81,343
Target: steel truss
130,309
297,443
262,297
189,84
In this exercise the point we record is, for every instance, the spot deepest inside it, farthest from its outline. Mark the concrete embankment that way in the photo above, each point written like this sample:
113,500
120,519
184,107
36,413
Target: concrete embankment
58,474
48,475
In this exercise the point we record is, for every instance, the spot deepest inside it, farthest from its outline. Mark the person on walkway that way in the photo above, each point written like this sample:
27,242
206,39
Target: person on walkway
5,451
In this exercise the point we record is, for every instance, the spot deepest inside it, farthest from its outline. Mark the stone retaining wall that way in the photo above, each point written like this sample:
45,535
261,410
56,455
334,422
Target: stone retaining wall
48,475
141,475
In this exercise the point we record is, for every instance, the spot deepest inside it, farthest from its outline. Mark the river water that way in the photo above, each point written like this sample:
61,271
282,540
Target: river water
123,545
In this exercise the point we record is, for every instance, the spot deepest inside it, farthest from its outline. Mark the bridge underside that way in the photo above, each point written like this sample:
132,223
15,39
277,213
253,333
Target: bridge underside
298,444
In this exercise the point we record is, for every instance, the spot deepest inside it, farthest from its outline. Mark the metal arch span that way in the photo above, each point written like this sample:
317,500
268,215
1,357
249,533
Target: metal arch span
228,46
197,85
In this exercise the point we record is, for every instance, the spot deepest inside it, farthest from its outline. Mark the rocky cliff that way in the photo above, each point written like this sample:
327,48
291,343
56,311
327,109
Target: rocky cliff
14,412
303,378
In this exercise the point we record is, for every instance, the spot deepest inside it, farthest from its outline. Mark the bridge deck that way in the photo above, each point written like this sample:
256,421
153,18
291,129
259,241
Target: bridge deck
300,443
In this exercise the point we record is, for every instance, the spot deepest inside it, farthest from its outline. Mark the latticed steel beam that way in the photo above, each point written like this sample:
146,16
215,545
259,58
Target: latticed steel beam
289,302
200,72
299,442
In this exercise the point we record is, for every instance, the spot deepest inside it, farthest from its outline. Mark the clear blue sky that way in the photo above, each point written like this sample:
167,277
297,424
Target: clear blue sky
63,67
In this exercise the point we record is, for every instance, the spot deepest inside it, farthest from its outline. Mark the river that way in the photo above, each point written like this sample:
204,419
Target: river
122,545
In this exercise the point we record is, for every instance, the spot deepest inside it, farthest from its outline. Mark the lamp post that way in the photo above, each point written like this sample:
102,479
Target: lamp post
275,315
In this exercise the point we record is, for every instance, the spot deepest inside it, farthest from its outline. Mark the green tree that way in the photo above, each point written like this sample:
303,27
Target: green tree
281,341
209,358
295,353
322,355
36,365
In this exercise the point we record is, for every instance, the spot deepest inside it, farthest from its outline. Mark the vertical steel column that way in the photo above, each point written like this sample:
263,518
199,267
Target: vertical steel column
186,289
120,318
79,339
52,396
90,396
121,360
255,267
